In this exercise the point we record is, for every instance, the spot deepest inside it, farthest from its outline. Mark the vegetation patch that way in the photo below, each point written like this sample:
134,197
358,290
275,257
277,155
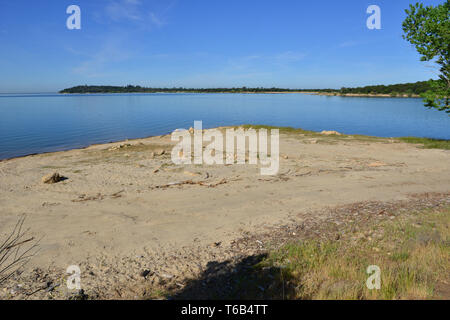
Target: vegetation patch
298,132
413,254
412,251
428,143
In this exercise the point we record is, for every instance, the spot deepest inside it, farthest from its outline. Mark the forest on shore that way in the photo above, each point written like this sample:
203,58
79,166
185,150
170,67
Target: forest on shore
408,89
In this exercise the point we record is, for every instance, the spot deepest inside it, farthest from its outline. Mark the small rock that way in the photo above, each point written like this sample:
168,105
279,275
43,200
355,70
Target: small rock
17,289
145,273
119,147
377,164
160,152
52,178
328,133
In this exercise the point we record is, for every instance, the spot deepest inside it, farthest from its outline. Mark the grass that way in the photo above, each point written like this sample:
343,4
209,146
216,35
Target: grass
411,249
16,249
413,254
297,132
428,143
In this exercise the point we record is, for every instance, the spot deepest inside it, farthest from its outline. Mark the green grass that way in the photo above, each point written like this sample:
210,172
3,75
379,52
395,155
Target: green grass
313,134
282,129
413,255
412,251
428,143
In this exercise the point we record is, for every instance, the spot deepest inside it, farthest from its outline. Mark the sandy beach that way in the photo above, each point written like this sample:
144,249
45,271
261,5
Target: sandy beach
126,208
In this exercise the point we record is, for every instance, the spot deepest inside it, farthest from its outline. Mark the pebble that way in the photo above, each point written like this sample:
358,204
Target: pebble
145,273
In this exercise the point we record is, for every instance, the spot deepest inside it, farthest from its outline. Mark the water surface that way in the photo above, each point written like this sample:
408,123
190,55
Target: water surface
52,122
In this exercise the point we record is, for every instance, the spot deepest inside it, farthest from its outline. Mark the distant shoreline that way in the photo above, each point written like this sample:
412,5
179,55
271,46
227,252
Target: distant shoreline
367,95
403,90
221,92
318,93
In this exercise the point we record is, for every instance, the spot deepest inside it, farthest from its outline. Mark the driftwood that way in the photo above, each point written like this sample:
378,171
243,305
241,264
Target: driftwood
98,196
190,182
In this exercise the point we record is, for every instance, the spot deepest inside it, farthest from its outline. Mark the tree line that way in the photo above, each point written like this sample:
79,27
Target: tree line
139,89
405,89
416,88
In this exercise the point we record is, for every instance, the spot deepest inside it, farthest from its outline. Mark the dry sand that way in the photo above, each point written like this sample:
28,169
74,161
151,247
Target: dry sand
117,213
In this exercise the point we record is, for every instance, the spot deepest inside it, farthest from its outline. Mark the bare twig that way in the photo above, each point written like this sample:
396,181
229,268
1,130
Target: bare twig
14,252
190,182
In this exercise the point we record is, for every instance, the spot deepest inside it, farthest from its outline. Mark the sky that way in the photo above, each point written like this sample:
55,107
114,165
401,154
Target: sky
205,43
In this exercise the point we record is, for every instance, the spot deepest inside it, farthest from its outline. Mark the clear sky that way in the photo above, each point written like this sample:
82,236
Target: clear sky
205,43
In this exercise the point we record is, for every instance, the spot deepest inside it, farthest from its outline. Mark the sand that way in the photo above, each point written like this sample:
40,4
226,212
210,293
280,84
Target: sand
122,209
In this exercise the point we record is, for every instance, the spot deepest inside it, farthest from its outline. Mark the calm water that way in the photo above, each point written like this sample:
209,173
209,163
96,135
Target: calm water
42,123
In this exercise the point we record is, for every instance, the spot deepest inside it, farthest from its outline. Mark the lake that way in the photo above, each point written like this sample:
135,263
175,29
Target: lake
38,123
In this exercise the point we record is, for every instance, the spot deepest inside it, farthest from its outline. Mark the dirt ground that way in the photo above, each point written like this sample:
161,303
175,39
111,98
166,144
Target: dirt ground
128,216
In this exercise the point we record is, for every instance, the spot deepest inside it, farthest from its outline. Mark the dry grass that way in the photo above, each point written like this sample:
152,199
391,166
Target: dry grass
413,254
300,133
408,241
16,250
425,143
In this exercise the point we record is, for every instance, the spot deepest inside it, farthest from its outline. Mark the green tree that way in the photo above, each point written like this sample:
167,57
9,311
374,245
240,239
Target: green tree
428,29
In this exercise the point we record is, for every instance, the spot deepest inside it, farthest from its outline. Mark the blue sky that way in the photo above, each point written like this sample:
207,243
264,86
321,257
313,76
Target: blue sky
205,43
